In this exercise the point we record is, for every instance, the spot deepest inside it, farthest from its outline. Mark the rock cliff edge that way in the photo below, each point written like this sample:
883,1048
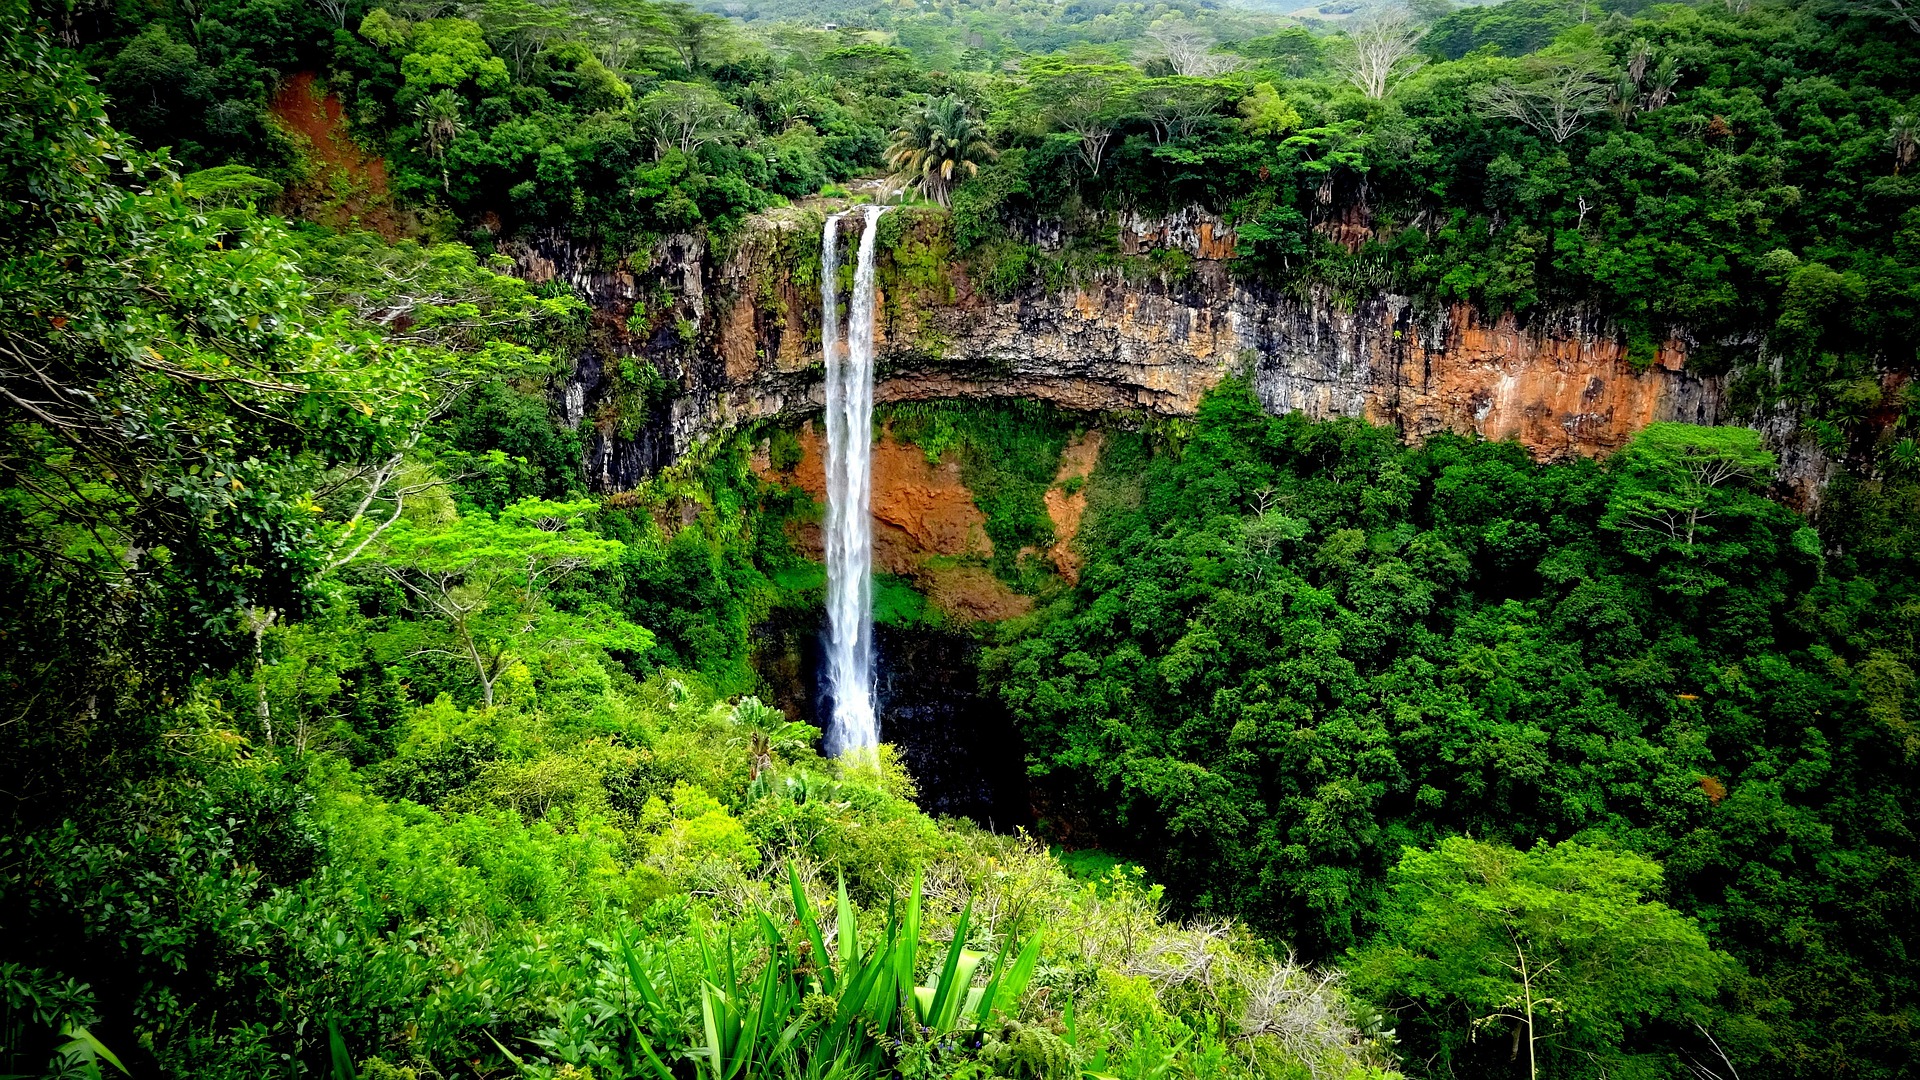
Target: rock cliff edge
733,338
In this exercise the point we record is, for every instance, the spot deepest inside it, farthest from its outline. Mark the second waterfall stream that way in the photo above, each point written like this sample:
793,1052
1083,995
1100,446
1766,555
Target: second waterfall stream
849,531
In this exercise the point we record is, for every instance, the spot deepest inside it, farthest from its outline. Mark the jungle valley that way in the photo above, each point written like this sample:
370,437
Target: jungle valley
1395,539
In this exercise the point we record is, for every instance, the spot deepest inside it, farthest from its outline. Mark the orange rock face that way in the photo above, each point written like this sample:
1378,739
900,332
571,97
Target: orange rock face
1557,392
1115,342
1066,510
1153,336
925,526
348,185
919,509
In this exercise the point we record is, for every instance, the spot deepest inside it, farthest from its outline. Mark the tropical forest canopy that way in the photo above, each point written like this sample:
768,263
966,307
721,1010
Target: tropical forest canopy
348,733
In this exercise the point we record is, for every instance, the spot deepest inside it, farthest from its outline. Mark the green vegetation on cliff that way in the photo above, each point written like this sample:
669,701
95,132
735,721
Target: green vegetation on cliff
341,739
1744,174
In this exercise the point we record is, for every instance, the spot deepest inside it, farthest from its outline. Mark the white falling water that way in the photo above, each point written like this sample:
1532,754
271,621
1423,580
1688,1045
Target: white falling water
849,492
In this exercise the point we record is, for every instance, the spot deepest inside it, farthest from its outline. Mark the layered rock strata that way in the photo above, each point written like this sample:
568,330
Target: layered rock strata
736,339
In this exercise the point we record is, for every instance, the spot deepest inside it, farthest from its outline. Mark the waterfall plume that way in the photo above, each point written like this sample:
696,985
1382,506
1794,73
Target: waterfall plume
849,531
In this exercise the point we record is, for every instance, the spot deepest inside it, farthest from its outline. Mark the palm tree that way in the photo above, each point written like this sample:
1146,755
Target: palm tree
942,143
440,124
1904,137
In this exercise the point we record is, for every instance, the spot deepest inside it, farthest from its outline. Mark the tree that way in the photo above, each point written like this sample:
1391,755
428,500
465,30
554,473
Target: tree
440,124
1264,536
154,77
1085,99
942,141
618,30
522,29
1176,105
1644,84
792,99
1903,136
1677,478
1190,51
1556,103
1660,87
1562,945
438,53
1265,112
693,35
1905,12
162,375
488,580
1380,51
175,393
686,116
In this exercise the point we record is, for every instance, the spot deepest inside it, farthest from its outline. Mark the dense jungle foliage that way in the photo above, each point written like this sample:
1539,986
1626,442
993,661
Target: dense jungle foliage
346,733
1299,649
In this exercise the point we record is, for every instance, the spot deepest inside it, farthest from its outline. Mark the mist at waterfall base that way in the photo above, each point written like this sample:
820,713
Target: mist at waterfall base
966,757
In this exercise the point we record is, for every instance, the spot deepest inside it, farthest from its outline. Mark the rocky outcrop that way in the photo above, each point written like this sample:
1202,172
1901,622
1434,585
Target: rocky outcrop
920,508
736,339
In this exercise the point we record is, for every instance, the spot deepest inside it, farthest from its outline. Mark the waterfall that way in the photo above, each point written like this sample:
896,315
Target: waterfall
849,531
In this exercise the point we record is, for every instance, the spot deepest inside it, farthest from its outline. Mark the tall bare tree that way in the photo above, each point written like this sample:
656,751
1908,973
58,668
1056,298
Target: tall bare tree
1380,51
1557,103
522,29
692,34
1085,99
1189,51
686,116
620,30
1906,11
1174,106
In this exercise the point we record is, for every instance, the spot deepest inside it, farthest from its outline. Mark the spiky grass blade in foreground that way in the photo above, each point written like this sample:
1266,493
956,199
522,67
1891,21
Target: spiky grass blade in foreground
803,911
777,1003
847,934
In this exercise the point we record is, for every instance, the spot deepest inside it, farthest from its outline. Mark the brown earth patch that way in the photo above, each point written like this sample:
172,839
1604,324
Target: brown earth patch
1076,462
970,593
345,186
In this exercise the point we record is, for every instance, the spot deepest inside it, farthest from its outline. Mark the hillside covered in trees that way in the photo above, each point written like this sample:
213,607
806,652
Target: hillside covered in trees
344,733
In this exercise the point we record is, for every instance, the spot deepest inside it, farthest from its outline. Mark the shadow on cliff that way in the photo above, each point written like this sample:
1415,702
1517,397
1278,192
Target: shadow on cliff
964,753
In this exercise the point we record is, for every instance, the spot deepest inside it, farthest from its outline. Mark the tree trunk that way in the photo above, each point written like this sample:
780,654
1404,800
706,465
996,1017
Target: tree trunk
260,621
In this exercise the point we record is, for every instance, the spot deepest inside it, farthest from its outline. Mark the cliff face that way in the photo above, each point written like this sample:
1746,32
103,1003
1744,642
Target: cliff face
736,338
926,526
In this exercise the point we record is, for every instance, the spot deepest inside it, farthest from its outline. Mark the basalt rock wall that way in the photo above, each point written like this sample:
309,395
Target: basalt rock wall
734,337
